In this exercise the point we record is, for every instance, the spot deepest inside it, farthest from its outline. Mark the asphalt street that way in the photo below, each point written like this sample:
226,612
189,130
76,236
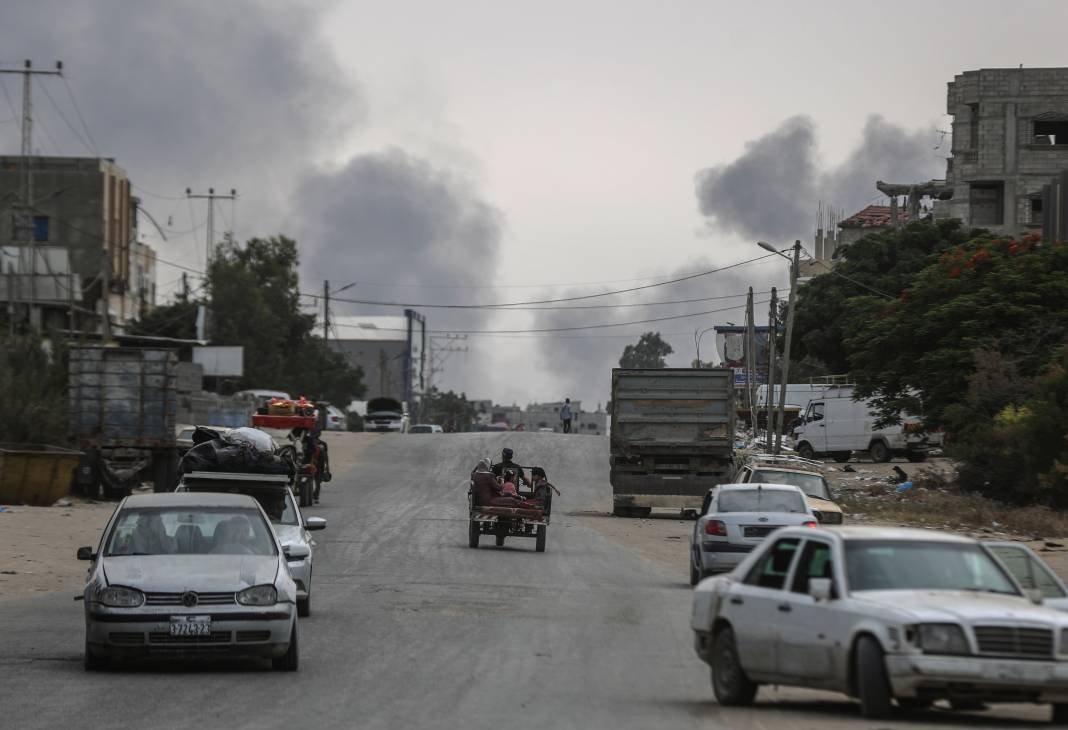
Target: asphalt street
411,628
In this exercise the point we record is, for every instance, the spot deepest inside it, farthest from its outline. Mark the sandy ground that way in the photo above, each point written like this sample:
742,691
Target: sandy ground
38,544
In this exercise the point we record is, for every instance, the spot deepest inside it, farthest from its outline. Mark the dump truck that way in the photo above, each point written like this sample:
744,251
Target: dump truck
123,403
672,437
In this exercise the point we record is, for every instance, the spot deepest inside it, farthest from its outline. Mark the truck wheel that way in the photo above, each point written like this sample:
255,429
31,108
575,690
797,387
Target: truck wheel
879,451
805,451
916,457
163,471
1059,716
873,687
729,682
473,534
841,456
498,540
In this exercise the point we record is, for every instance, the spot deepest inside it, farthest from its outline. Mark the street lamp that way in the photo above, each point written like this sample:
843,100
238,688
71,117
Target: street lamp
780,415
697,335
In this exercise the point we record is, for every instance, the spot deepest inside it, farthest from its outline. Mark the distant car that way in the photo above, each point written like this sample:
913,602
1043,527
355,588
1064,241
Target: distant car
738,518
802,474
884,615
185,436
386,415
274,496
262,397
425,428
336,420
198,573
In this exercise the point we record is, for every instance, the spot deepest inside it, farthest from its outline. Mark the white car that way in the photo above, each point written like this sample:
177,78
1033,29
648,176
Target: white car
737,518
336,420
880,614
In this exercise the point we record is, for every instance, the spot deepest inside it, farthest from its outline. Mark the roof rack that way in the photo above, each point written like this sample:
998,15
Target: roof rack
787,460
235,476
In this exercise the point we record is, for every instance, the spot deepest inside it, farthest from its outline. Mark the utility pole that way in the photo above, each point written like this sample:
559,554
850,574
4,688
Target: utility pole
794,265
326,310
769,418
750,357
25,226
211,197
185,287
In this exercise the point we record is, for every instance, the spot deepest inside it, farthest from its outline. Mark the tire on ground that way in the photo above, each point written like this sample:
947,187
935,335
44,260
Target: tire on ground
729,681
869,676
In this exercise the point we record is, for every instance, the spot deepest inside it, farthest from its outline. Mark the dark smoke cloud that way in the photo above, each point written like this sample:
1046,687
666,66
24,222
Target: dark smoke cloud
232,94
389,217
772,189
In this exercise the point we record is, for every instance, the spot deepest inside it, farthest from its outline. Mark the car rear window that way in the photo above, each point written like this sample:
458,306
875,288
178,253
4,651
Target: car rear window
811,484
760,500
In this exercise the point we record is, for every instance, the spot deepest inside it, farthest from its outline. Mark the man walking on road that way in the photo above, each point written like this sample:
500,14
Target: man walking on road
565,415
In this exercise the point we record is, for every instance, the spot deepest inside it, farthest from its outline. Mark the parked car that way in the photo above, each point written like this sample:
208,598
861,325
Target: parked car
885,615
273,494
336,420
738,518
425,428
1032,573
202,573
386,415
801,473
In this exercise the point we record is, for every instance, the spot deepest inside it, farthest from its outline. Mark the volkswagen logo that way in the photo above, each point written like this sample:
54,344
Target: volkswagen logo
189,599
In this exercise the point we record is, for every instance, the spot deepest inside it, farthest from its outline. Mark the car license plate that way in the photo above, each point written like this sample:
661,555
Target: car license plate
190,625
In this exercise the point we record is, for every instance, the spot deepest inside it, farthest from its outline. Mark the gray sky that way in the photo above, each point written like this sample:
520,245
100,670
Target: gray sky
428,150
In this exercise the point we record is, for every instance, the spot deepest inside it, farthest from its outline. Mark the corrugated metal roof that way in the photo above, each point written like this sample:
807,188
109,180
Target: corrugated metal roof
874,216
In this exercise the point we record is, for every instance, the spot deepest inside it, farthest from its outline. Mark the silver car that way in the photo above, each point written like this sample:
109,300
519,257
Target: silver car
738,518
885,615
189,574
274,496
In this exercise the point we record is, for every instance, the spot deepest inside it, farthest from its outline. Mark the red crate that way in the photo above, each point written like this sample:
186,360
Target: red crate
260,420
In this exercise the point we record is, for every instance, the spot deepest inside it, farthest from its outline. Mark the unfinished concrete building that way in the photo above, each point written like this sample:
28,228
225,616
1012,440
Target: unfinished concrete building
1010,137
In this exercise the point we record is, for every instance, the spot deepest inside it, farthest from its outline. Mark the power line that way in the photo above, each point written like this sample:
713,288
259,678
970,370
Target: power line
67,121
78,111
563,329
500,305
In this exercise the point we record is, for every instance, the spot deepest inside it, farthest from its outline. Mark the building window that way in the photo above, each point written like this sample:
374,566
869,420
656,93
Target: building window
973,126
985,201
1036,211
40,228
1051,132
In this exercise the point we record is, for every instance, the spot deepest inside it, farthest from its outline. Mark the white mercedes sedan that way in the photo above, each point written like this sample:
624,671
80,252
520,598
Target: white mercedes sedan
185,573
883,615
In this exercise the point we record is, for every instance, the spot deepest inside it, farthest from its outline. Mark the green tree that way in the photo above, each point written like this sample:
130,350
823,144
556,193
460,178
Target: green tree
917,353
255,303
649,352
886,262
177,320
33,390
453,412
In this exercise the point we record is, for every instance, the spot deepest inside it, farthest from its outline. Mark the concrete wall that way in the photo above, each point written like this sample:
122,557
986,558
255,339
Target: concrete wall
1007,102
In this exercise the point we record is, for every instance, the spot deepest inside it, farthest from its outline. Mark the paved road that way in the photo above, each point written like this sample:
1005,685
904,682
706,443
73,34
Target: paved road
412,629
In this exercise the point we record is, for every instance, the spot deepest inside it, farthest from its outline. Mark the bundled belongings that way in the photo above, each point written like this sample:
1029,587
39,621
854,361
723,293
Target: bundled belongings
240,451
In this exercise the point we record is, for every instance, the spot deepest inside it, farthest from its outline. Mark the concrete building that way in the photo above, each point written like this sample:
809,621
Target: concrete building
1010,137
873,219
84,218
390,350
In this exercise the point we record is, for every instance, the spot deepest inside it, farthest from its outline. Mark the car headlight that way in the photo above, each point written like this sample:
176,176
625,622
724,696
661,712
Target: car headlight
121,597
258,596
943,639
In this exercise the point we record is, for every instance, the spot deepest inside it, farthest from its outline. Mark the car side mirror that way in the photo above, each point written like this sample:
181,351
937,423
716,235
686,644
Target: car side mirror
1036,596
296,552
314,523
86,553
820,588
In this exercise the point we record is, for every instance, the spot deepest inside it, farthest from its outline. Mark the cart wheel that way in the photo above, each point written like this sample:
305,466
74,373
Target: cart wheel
498,540
539,543
473,534
318,487
305,492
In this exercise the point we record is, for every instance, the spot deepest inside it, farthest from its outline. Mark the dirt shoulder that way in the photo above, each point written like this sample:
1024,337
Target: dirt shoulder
38,544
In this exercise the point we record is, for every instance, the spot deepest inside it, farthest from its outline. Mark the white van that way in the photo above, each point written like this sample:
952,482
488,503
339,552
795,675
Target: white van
836,425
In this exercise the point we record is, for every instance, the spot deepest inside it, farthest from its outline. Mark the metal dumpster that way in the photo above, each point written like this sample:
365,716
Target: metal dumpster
36,474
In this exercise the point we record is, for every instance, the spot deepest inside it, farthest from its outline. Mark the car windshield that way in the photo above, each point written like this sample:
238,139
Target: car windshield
190,531
811,484
760,500
875,565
